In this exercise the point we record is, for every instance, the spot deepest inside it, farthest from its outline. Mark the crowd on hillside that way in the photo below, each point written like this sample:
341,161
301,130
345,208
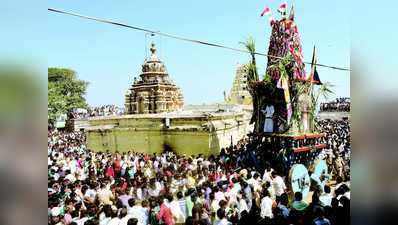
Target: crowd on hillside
87,187
337,105
105,110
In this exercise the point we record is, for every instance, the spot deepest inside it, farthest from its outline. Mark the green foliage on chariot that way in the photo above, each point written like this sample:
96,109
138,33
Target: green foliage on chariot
65,92
252,79
324,90
267,79
251,67
282,66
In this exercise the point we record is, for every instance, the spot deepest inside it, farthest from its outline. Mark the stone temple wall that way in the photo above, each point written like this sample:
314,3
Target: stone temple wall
186,134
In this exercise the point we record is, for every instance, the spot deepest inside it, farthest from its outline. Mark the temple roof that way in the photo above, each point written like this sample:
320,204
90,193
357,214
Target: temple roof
153,64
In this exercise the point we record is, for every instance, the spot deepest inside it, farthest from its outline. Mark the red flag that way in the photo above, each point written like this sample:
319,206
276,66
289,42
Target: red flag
266,11
282,7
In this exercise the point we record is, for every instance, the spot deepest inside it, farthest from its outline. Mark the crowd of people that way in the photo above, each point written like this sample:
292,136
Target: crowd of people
105,110
338,147
337,105
87,187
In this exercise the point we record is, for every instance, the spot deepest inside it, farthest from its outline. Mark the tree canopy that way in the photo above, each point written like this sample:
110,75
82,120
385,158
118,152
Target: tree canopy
65,92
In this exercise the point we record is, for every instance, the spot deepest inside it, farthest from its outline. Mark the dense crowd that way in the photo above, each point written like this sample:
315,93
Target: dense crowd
337,105
105,110
87,187
338,150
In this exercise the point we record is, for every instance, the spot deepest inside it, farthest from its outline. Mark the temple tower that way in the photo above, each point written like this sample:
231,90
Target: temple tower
153,91
239,93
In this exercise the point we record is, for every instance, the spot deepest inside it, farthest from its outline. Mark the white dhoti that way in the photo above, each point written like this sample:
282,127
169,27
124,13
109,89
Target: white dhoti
268,123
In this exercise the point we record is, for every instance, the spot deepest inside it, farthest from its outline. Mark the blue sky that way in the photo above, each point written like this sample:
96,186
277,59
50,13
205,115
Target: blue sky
109,57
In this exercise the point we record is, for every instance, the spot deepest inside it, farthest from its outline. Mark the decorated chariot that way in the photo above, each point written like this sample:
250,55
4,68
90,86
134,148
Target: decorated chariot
284,105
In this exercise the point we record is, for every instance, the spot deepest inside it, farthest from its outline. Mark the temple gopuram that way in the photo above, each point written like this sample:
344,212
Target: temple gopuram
239,93
153,91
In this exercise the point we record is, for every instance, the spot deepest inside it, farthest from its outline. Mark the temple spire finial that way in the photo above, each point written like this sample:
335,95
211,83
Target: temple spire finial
153,52
153,48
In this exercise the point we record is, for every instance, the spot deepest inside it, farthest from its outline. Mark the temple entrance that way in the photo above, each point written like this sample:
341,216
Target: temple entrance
141,105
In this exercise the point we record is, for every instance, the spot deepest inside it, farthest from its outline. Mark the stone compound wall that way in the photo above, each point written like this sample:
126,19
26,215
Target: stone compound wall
189,135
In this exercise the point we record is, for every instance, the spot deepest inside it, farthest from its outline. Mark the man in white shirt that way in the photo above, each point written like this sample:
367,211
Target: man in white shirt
214,206
154,189
219,195
114,221
255,181
222,218
242,203
90,194
267,175
73,166
105,195
266,206
176,211
71,177
278,184
135,210
124,217
326,197
250,179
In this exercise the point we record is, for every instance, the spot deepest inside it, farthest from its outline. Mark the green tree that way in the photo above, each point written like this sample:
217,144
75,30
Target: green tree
65,92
